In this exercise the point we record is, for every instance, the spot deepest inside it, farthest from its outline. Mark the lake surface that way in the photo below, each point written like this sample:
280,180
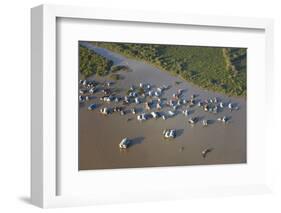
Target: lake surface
99,135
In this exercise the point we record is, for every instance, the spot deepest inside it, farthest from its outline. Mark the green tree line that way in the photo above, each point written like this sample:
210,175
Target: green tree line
216,68
92,63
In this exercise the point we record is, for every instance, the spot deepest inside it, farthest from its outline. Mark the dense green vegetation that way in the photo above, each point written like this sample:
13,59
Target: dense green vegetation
216,68
236,60
92,63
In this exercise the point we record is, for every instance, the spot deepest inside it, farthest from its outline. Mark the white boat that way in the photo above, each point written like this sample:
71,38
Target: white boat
142,117
206,108
205,122
82,91
223,119
109,98
157,94
84,82
126,99
104,111
137,100
185,112
108,84
81,99
169,133
171,103
133,94
124,144
171,113
117,109
230,106
92,90
155,114
165,87
215,110
92,107
180,91
205,152
150,93
175,107
192,120
160,89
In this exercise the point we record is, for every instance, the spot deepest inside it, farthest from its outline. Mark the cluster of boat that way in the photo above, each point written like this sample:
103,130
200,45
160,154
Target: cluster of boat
151,98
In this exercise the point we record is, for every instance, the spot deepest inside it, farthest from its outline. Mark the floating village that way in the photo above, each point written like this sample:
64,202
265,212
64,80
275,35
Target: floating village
133,113
152,106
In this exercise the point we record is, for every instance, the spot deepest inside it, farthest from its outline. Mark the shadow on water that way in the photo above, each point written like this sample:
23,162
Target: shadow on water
191,111
92,97
130,119
200,118
211,121
179,132
136,141
206,152
177,112
169,87
228,119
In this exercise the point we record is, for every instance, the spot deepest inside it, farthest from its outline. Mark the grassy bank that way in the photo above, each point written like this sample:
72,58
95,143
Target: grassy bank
92,63
218,69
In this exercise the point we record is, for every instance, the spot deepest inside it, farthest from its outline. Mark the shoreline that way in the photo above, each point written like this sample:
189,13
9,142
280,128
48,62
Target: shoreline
163,69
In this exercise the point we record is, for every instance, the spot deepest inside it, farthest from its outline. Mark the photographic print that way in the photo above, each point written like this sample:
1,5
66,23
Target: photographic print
152,105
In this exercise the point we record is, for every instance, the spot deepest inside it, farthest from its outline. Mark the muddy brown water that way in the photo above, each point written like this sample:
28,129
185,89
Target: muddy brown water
99,135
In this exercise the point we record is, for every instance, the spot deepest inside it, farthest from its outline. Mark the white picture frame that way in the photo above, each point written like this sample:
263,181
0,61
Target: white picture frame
44,154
